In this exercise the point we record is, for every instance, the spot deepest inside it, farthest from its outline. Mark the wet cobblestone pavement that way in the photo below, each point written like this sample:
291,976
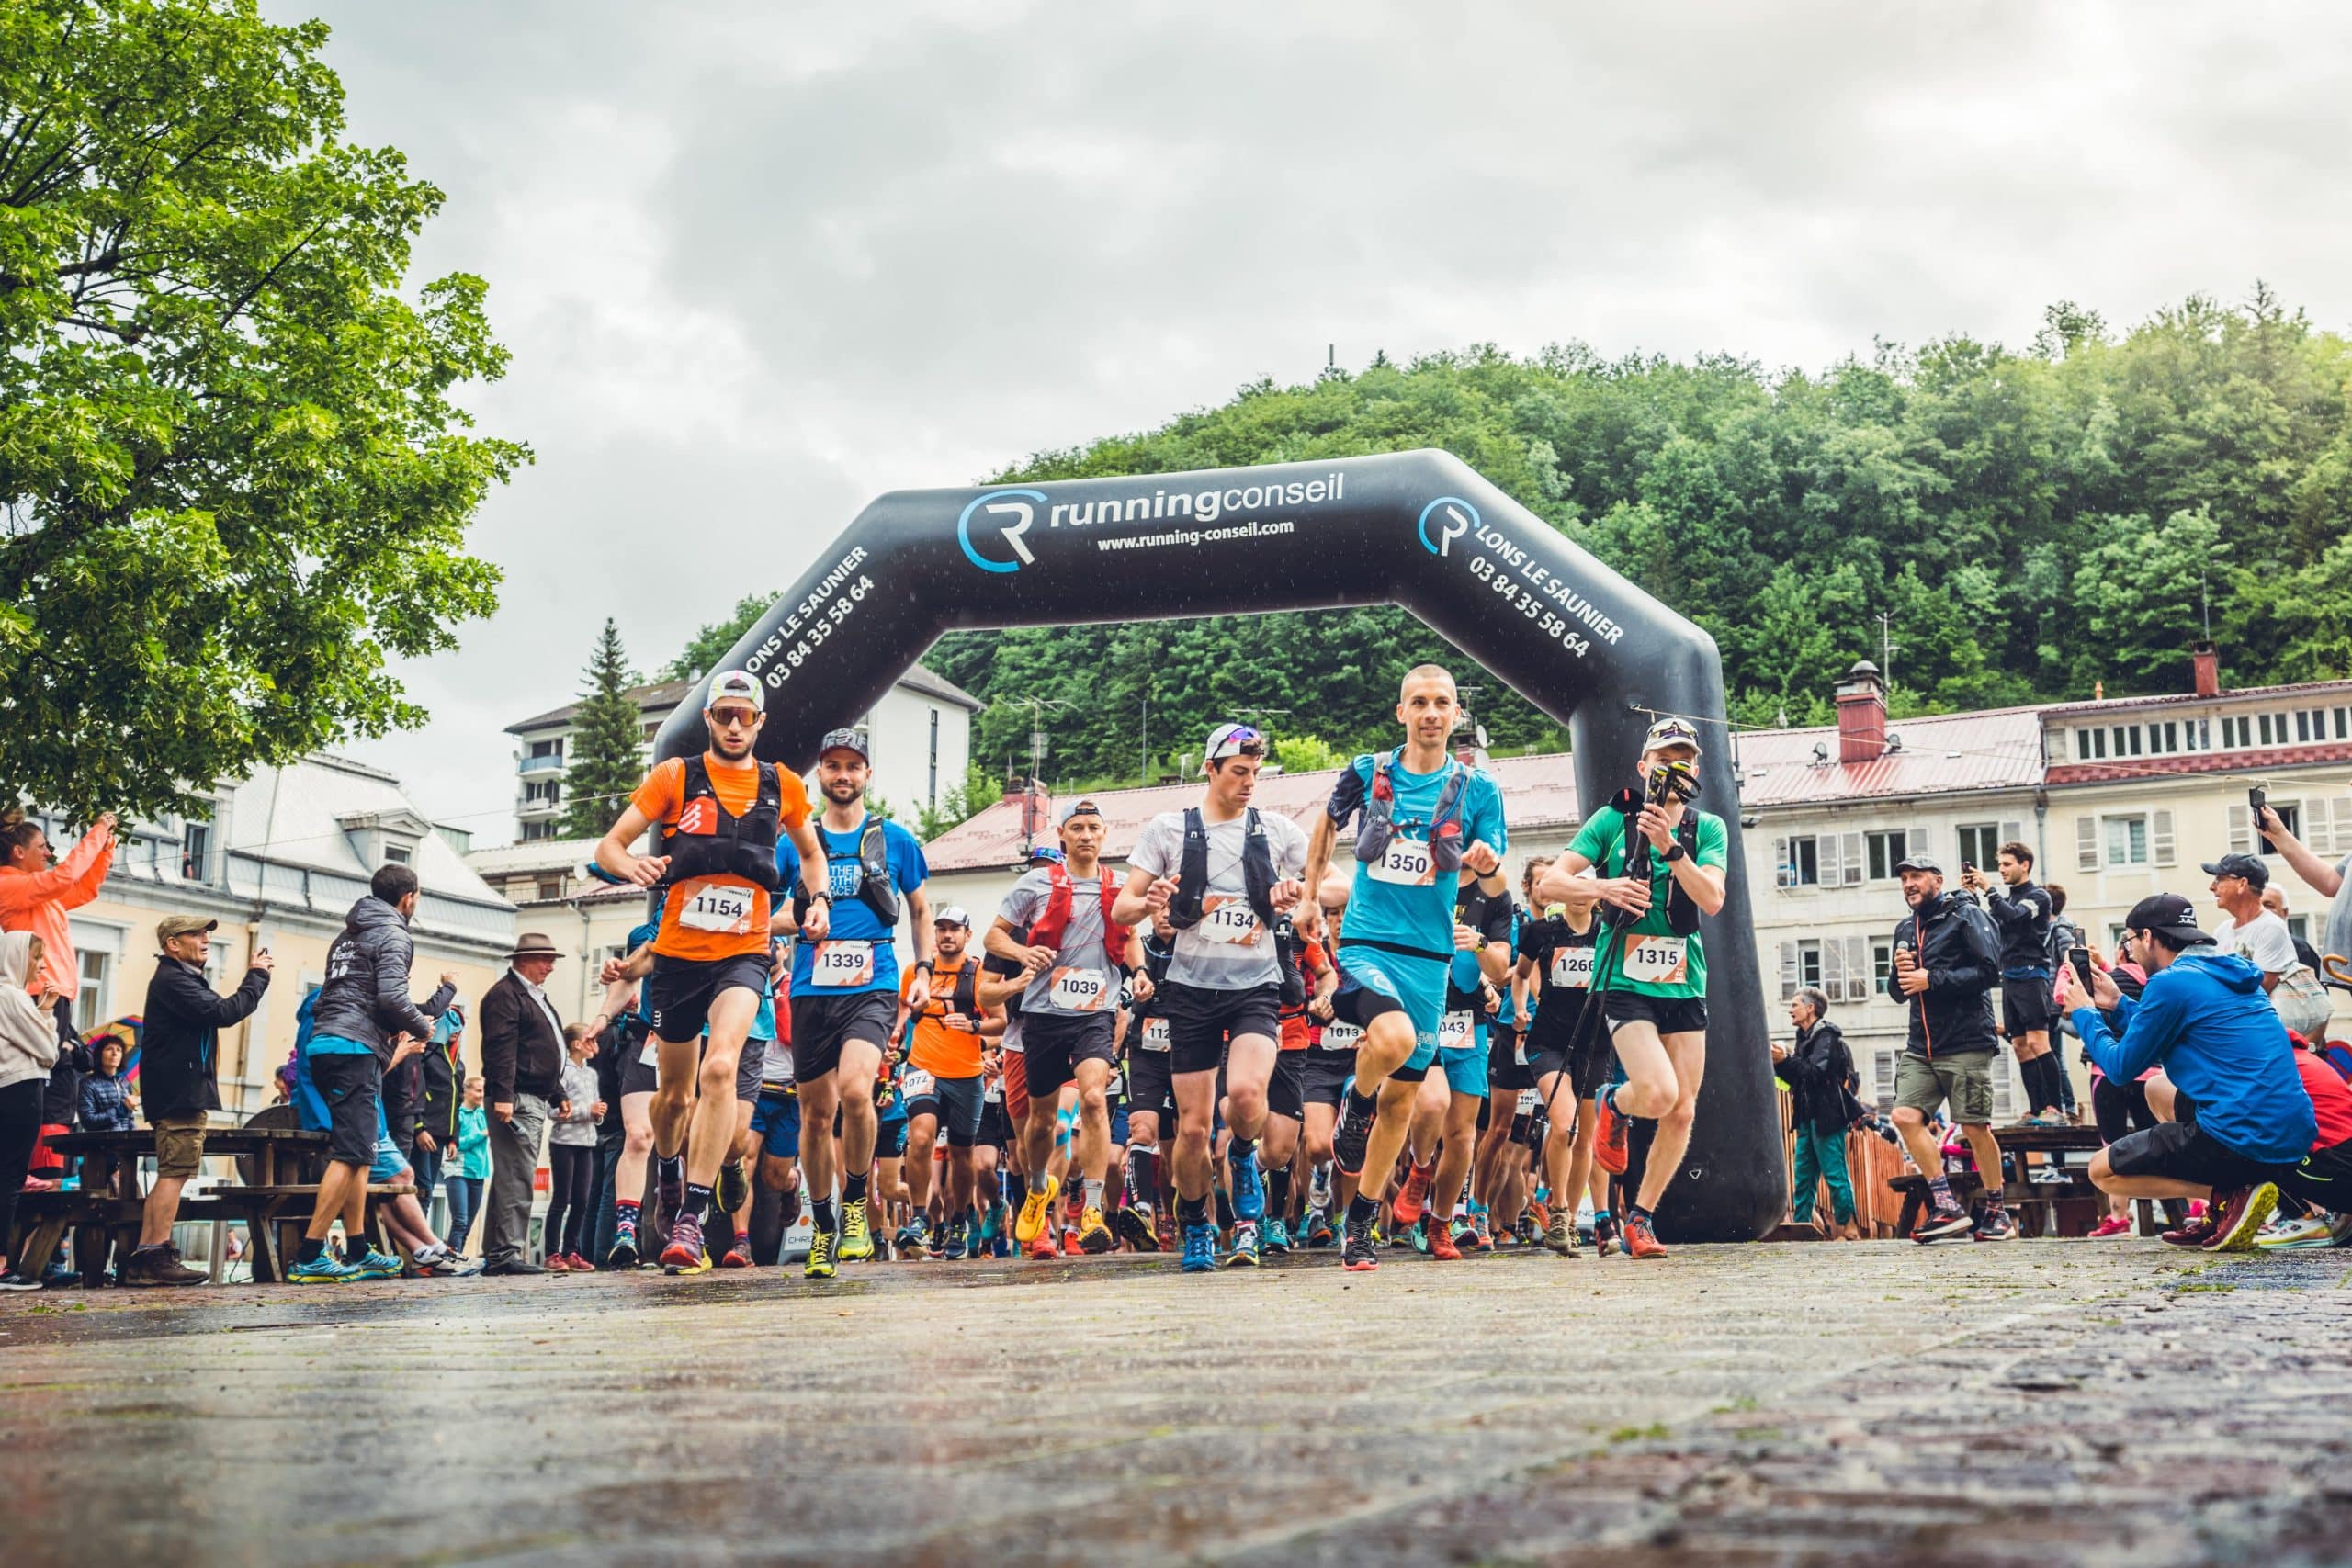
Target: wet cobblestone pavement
2033,1403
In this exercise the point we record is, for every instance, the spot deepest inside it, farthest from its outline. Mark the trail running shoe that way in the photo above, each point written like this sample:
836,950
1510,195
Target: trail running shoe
857,1239
1640,1240
624,1252
1442,1244
821,1255
1134,1224
909,1242
669,1193
1480,1236
738,1256
685,1253
1045,1246
1612,1136
1417,1235
1943,1223
734,1187
1416,1193
326,1269
1561,1238
1604,1235
1318,1187
375,1265
2195,1232
1277,1237
2109,1227
1200,1248
1996,1225
2303,1233
1248,1245
1248,1188
1347,1142
1318,1229
1357,1254
1036,1211
958,1242
2243,1215
1094,1234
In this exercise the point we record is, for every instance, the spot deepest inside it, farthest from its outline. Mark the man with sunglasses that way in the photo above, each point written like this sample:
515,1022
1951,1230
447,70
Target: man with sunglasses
1223,874
719,815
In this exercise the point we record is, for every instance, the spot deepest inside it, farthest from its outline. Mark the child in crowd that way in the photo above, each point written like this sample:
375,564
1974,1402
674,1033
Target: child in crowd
571,1159
466,1178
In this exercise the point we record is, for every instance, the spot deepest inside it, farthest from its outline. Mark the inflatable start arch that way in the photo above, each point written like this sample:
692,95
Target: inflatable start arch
1418,529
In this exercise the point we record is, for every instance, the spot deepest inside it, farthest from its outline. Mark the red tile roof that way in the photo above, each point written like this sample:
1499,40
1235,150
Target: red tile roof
2063,773
1538,792
2232,694
1941,754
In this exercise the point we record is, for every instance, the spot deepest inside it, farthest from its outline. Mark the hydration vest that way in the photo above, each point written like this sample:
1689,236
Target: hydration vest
1378,828
1184,910
706,842
968,988
1682,910
1054,919
1290,949
874,888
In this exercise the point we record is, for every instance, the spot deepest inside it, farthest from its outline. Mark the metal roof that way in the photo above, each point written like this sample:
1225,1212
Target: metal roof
2162,699
1940,754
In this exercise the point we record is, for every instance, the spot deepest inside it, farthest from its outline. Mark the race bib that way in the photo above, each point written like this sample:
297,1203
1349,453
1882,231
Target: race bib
841,964
915,1084
994,1093
1338,1036
1518,1050
1155,1035
1408,863
1572,968
1453,1031
1229,919
651,1055
1078,990
721,907
1658,960
1529,1101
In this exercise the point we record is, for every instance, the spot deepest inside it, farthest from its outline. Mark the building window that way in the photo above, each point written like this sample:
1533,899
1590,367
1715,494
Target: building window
548,748
1980,845
397,854
935,758
2300,926
1886,851
2290,816
2125,738
2089,745
90,1002
550,888
196,851
1800,863
1808,967
2127,841
547,792
2237,730
1882,963
532,832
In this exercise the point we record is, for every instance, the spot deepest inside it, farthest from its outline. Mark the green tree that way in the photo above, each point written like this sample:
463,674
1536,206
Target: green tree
1307,754
236,477
603,767
979,790
702,655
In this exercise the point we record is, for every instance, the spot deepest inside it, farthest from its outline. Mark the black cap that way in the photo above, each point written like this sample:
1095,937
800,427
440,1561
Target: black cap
2168,915
2249,866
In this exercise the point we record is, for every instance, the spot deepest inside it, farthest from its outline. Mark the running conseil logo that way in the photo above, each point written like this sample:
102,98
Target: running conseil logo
1453,517
1003,517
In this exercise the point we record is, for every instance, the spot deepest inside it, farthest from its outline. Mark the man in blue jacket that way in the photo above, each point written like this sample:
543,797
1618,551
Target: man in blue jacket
2238,1116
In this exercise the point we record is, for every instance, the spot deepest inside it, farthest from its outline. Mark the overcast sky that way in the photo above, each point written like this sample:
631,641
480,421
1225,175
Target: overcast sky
758,264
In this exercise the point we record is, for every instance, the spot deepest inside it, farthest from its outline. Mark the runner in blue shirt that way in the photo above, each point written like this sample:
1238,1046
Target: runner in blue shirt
1424,817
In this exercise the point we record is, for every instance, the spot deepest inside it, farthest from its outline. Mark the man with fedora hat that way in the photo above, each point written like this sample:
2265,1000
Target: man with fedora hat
522,1069
179,1071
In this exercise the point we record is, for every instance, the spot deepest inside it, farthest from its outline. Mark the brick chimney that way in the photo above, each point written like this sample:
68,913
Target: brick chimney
1862,714
2206,661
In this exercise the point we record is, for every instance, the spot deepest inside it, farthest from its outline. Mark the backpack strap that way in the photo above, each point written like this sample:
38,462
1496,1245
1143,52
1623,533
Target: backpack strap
1257,866
1193,874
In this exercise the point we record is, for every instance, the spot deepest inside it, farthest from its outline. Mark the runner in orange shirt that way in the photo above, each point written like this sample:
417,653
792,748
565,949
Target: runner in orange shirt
942,1081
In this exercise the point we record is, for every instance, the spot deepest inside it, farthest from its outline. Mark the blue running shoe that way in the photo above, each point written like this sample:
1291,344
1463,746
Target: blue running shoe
1200,1249
375,1265
326,1269
1249,1190
960,1242
1248,1245
1277,1237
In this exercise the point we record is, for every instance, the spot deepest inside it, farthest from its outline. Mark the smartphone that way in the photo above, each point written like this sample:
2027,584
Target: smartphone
2255,801
1966,869
2080,957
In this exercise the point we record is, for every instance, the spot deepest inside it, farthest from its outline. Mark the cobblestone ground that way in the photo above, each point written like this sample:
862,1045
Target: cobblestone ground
2038,1401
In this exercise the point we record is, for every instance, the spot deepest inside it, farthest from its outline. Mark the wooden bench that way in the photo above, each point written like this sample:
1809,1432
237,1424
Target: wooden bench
2071,1208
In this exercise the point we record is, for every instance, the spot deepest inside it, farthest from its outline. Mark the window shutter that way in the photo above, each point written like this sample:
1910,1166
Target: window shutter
1785,871
2086,843
1915,842
2011,833
1859,977
2319,825
2160,836
1833,969
1851,854
1788,970
2241,834
1824,859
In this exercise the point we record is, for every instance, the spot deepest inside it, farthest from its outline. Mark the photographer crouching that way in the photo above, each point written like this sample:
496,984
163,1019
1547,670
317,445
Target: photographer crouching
2234,1116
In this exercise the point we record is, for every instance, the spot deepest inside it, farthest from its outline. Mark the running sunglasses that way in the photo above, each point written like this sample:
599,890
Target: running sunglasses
727,719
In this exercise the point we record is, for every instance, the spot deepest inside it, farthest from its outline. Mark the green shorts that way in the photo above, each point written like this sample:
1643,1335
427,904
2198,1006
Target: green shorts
1923,1086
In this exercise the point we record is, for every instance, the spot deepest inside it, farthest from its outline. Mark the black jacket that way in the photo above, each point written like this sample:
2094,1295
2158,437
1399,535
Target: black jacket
179,1047
2022,916
1820,1074
443,1073
365,996
522,1053
1953,940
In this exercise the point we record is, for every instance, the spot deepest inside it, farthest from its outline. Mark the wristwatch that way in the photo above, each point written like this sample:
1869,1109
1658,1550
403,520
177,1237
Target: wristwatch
1675,853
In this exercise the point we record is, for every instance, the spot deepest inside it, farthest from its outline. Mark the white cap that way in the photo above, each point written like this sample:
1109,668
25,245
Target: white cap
1672,731
1227,740
736,684
953,915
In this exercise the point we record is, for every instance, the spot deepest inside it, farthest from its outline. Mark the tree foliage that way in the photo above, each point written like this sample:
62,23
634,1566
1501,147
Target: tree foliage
2028,520
701,655
604,766
234,476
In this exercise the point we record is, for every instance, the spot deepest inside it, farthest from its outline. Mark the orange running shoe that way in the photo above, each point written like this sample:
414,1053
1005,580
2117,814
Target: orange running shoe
1409,1201
1611,1145
1441,1244
1045,1246
1640,1240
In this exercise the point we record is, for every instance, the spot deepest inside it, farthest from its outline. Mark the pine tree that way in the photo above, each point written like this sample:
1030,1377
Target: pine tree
604,766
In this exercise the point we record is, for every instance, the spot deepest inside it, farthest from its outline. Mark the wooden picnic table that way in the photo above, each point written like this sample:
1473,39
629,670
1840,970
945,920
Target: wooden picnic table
2044,1208
275,1209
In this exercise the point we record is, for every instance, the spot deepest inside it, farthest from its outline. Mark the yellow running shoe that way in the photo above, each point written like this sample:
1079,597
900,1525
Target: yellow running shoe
857,1241
1094,1235
1034,1210
821,1255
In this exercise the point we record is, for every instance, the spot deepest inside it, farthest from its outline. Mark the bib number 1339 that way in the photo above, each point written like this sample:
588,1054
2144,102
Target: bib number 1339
842,964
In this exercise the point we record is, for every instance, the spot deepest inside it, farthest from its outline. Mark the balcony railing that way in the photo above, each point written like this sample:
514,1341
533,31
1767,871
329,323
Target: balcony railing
539,765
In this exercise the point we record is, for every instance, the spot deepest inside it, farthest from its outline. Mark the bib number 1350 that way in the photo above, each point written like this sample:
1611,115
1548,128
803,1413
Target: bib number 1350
1408,863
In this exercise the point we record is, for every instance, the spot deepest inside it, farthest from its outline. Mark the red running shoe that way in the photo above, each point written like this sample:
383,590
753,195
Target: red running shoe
1416,1194
1611,1145
1441,1244
1044,1247
738,1256
1640,1240
684,1255
579,1264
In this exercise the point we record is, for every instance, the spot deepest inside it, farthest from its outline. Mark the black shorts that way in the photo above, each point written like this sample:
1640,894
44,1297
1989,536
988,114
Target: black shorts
1054,1044
1199,1020
2182,1151
996,1127
1671,1015
1151,1084
890,1138
2027,1004
679,992
1286,1088
1359,1005
1504,1069
2324,1179
1324,1074
751,1065
1585,1056
634,1041
352,1084
821,1024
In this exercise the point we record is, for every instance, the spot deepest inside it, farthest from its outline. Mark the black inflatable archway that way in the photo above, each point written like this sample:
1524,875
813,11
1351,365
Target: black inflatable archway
1418,529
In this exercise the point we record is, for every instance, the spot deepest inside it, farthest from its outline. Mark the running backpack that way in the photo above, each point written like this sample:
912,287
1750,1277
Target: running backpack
1184,910
1378,829
706,842
1047,930
1682,910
